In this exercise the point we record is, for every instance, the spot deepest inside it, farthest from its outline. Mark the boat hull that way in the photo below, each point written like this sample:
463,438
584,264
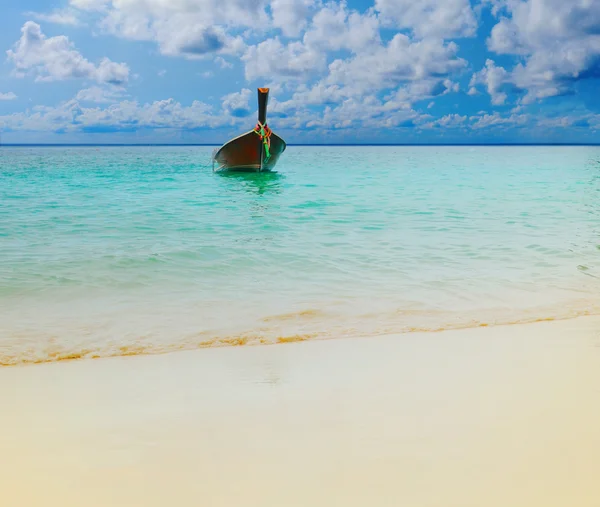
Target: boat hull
246,153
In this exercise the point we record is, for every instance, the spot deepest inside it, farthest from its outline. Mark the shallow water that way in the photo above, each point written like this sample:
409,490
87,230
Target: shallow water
127,250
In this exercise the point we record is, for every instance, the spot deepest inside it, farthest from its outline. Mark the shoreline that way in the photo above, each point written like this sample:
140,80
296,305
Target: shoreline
249,339
495,416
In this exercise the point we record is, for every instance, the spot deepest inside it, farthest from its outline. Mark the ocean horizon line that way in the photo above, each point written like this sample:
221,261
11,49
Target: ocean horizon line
77,145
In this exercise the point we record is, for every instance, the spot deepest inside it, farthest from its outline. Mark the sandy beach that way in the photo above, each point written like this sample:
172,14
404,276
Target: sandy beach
503,416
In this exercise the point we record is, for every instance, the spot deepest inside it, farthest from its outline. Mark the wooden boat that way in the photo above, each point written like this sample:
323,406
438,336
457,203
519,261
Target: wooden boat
257,150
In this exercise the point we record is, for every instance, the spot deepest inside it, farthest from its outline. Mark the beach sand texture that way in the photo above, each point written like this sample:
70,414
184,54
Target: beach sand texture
506,416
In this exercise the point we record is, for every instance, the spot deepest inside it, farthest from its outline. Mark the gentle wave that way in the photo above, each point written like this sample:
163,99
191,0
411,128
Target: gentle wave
56,353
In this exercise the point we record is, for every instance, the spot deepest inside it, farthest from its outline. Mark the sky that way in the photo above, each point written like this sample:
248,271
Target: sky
361,71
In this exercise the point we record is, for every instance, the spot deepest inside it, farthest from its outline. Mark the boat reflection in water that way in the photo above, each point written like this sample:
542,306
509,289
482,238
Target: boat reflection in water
253,182
255,151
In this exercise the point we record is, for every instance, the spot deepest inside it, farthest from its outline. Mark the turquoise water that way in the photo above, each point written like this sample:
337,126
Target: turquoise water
126,250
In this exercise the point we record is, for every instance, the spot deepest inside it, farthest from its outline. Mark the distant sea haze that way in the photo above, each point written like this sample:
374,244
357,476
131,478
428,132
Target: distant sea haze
143,249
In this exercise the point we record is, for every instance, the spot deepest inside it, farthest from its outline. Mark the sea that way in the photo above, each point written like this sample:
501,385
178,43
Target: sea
115,251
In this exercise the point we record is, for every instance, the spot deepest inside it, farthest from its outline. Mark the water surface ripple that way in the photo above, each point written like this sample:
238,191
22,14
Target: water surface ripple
126,250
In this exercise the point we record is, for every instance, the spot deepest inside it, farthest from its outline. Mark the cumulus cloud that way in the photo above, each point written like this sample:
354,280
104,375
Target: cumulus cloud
90,5
272,58
291,16
381,79
398,61
59,17
494,79
299,38
346,107
585,121
335,27
198,41
449,121
7,96
405,96
357,68
71,116
237,104
99,95
355,114
484,121
128,116
224,64
559,42
181,28
342,101
317,94
435,18
452,120
55,58
365,112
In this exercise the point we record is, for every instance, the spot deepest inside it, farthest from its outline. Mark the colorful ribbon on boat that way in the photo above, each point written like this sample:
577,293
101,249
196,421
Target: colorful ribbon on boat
264,132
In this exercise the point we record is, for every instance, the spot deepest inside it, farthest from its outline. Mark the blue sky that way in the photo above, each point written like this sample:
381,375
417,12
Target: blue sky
389,71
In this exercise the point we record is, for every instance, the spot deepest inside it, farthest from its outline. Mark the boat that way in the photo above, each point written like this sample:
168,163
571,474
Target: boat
255,151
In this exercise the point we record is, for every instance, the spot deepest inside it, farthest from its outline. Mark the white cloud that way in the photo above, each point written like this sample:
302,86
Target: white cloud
224,64
194,29
560,122
334,27
558,40
405,96
55,58
586,120
291,15
79,115
181,27
341,101
237,104
7,96
200,41
365,112
401,60
449,121
361,114
494,79
99,95
364,63
59,17
90,5
452,120
158,114
485,120
71,116
496,5
322,57
409,71
347,107
429,18
318,94
271,59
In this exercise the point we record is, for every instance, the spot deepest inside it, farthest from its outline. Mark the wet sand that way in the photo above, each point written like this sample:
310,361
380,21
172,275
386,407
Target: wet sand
505,416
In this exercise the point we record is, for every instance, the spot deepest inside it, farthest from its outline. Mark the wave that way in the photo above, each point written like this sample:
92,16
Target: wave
55,353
